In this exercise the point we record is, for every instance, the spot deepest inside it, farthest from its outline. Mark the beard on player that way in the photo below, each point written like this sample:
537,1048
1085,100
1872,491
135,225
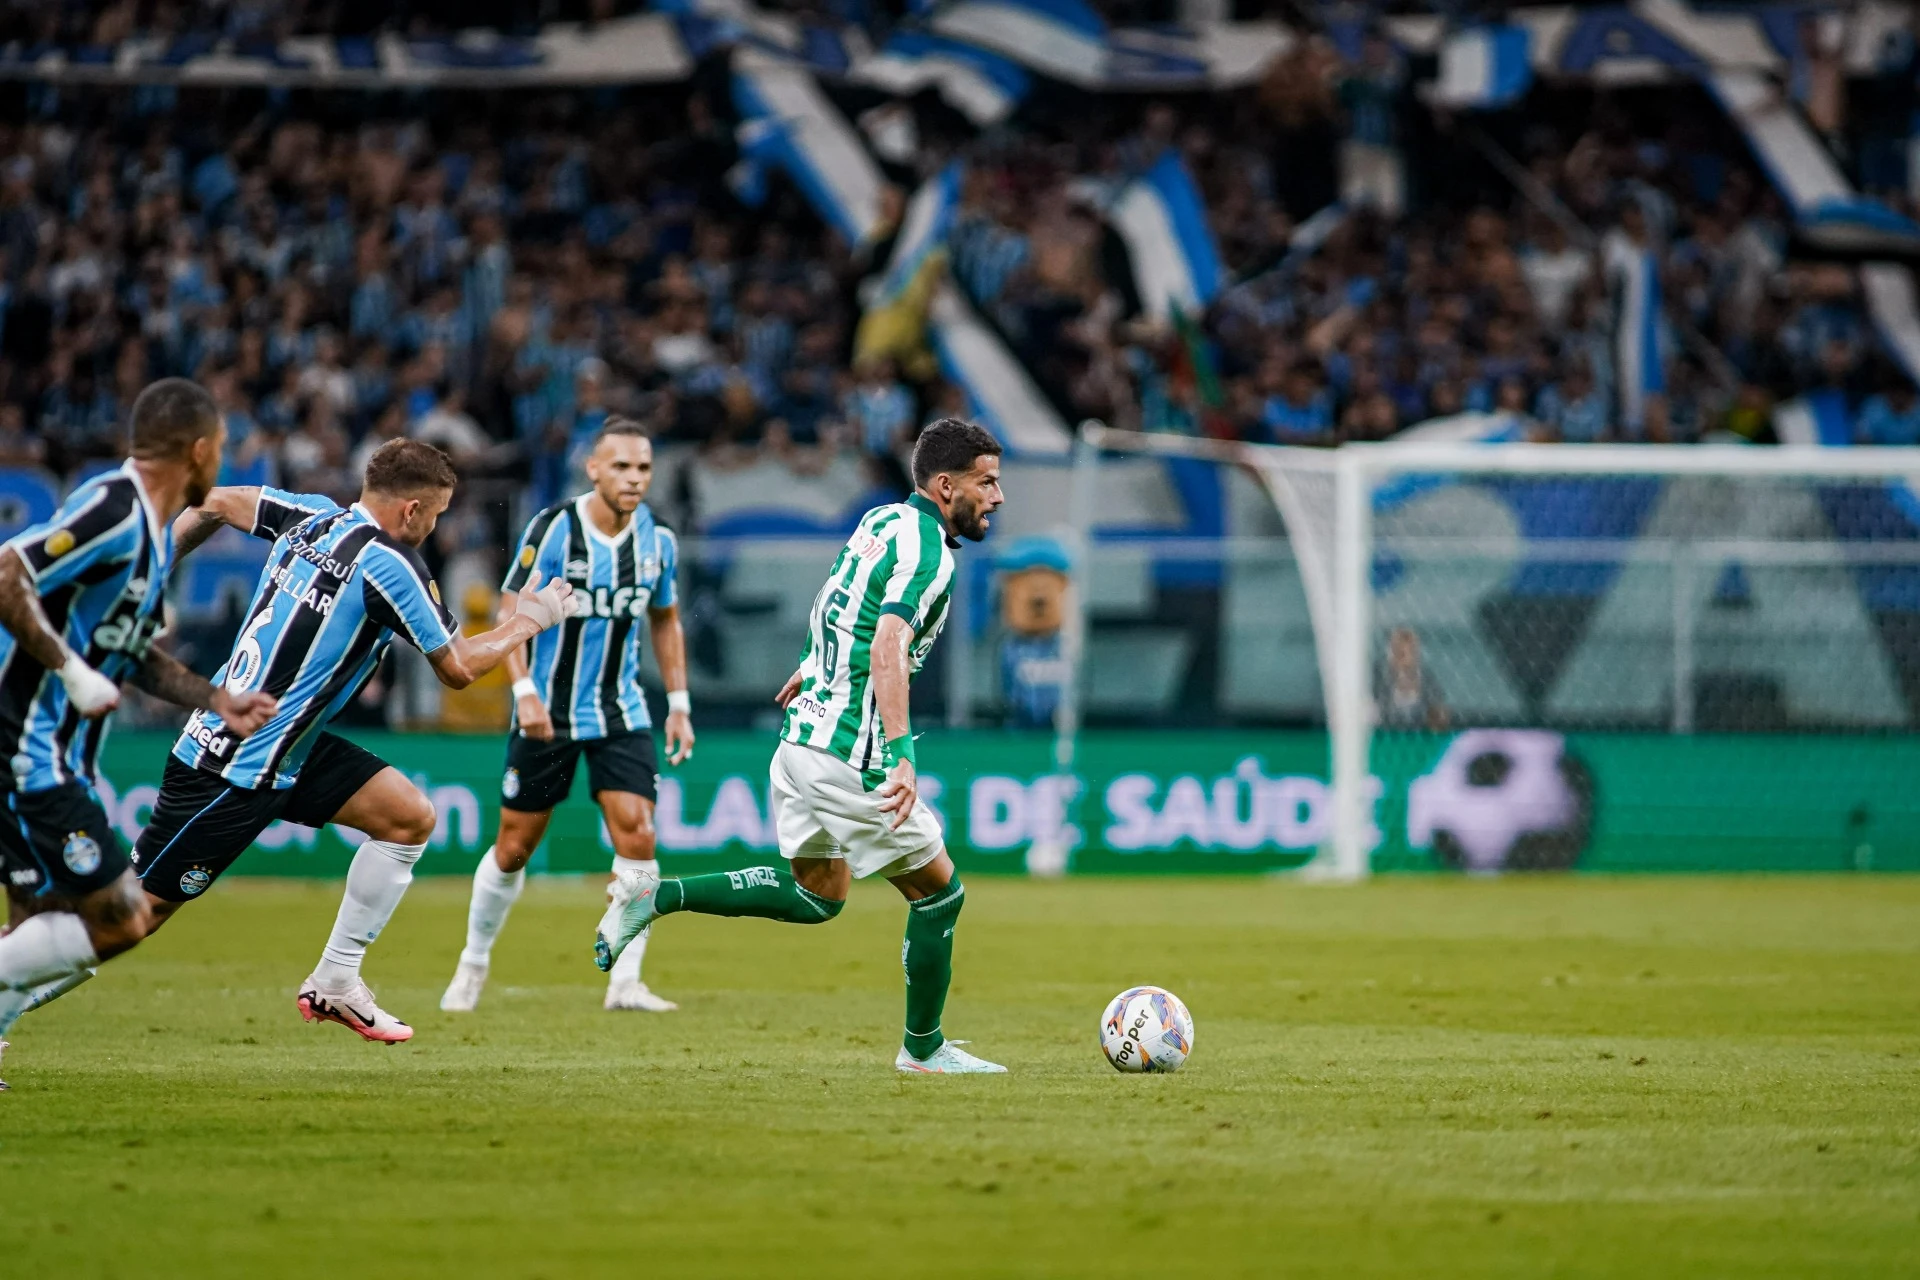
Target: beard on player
968,518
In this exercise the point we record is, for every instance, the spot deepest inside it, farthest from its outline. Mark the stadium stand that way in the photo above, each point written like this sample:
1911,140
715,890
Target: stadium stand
497,271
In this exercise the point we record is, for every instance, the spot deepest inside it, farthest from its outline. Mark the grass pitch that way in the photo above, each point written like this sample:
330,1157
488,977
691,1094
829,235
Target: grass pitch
1410,1078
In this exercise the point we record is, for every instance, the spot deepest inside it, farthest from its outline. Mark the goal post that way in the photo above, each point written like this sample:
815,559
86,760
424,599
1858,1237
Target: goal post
1472,603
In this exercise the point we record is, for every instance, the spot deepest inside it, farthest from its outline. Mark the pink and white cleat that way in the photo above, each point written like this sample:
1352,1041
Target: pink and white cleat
354,1010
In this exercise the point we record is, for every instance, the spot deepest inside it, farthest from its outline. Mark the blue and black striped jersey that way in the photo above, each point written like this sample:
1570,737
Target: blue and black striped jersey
100,567
334,593
588,667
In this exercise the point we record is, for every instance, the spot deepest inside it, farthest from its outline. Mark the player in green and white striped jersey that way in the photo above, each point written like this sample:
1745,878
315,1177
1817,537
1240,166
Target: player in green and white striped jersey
843,782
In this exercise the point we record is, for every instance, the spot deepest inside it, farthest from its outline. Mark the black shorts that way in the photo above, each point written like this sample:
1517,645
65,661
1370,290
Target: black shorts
540,774
58,842
202,823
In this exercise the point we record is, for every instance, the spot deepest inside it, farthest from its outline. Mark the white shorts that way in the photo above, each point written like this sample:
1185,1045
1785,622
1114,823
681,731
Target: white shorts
821,809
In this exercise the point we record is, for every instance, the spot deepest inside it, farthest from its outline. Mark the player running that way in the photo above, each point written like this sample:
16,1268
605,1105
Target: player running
844,793
581,695
340,583
81,601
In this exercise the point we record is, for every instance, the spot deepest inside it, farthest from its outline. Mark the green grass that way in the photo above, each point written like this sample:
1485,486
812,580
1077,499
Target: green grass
1418,1077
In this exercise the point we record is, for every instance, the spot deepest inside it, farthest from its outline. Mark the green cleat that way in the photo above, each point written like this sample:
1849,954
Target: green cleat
629,910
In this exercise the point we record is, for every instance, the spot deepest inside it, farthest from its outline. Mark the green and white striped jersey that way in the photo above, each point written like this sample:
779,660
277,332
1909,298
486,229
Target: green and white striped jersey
898,561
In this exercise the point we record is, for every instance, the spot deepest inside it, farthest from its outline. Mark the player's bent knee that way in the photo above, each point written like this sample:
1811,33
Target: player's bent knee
409,821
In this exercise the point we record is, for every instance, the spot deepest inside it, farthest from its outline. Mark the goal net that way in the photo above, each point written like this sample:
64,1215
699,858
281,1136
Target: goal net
1475,610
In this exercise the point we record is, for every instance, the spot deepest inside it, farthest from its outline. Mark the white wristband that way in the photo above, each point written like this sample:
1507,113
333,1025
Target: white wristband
679,700
524,687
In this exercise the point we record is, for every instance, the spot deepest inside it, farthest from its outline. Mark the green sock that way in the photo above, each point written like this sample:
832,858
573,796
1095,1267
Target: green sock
927,956
767,892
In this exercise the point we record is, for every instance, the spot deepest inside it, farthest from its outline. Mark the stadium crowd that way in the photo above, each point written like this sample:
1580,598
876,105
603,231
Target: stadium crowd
498,273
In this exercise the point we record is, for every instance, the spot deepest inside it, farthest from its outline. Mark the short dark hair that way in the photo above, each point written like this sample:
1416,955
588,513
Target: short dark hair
615,425
401,467
169,416
950,446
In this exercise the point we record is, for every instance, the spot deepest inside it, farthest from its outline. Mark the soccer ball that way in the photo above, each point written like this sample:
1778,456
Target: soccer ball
1146,1029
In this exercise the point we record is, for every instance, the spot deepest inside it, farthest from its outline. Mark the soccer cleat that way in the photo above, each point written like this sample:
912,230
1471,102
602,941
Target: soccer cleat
948,1060
354,1010
629,910
464,991
637,995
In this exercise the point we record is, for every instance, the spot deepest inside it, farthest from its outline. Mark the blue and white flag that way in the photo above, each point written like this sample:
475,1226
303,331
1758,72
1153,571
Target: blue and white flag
1163,221
1000,392
1633,273
1065,39
923,228
1484,67
789,124
979,84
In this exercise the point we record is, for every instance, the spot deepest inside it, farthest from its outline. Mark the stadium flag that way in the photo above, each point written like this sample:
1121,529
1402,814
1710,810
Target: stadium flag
1484,67
1065,39
1633,273
795,128
1163,222
924,227
1826,210
1000,392
976,82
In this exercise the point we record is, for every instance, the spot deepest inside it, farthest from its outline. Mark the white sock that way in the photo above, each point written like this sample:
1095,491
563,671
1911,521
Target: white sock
494,892
376,882
47,992
44,948
627,968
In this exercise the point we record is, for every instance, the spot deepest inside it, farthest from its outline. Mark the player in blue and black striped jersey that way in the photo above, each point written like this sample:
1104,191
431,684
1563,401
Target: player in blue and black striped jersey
339,584
577,693
81,599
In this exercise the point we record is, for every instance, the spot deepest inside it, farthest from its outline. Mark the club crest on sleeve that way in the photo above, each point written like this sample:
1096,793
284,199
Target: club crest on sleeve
526,557
82,853
433,589
510,784
59,542
194,881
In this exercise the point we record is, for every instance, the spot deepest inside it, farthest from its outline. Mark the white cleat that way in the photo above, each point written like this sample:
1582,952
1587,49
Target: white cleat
629,910
354,1010
948,1060
637,995
463,993
4,1086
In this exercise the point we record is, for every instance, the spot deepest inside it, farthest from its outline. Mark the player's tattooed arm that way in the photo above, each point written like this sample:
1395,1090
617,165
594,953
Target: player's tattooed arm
537,606
22,616
167,678
233,505
892,668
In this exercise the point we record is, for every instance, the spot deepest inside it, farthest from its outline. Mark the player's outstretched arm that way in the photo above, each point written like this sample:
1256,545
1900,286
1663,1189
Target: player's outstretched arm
236,505
670,651
92,694
467,658
892,671
165,677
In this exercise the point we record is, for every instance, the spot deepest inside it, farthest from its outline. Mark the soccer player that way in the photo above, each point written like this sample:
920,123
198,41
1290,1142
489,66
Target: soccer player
845,798
580,695
340,583
81,601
